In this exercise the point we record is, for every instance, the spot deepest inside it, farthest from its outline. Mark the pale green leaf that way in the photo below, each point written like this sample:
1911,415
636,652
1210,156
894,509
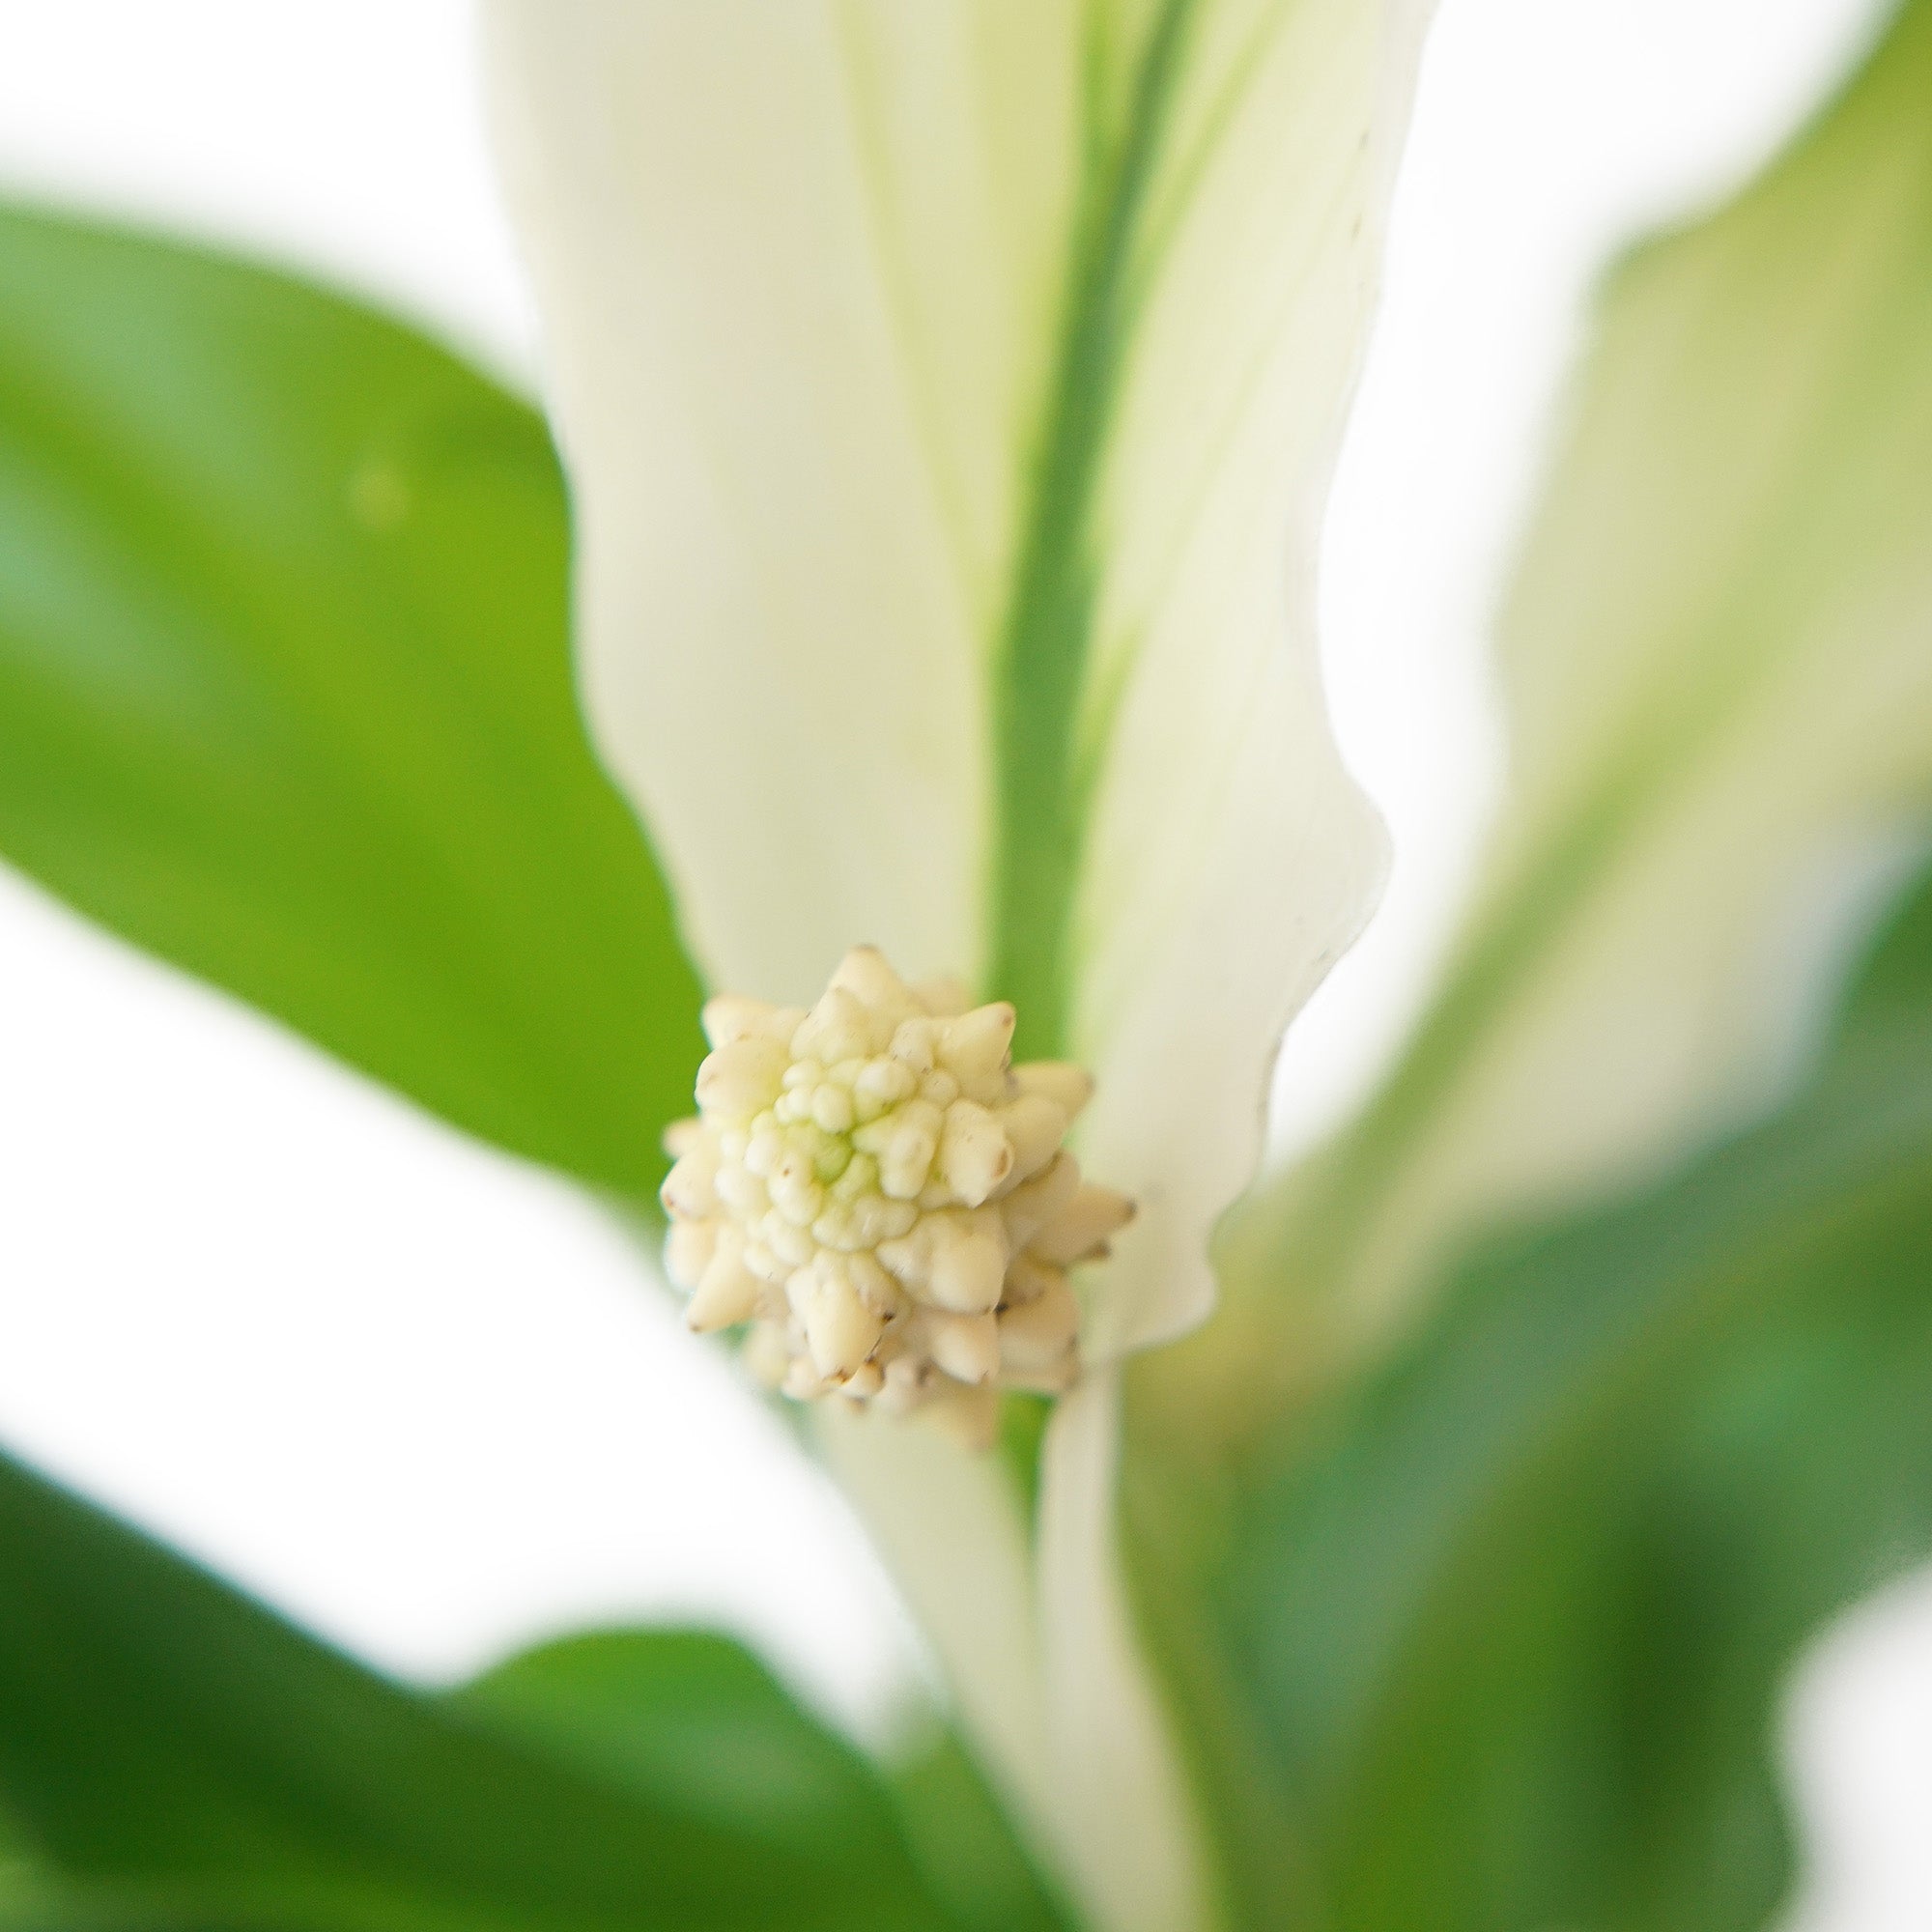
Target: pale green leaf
1719,662
1493,1638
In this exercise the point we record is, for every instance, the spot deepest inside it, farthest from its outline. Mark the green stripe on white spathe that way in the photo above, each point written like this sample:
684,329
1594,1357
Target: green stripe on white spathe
809,276
805,274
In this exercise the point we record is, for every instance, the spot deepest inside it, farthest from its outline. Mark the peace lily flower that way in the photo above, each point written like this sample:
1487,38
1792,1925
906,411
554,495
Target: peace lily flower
948,386
948,394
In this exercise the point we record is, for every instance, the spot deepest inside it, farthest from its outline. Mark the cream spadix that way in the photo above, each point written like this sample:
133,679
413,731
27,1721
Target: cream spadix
884,1196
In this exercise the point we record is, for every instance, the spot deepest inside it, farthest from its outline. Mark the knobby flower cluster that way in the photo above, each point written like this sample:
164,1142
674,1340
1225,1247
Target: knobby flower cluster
886,1198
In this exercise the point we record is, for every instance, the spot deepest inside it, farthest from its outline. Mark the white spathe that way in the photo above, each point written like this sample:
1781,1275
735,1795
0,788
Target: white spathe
804,270
798,268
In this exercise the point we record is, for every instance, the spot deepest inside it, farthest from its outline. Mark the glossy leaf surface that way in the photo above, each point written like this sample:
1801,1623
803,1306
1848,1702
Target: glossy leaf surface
285,691
680,1717
163,1739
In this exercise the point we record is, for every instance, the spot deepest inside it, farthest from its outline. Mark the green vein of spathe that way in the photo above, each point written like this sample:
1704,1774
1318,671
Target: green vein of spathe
1042,785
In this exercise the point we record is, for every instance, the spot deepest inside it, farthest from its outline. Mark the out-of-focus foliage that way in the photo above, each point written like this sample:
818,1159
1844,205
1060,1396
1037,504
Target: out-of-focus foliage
684,1717
1717,657
1487,1634
285,691
168,1747
1511,1617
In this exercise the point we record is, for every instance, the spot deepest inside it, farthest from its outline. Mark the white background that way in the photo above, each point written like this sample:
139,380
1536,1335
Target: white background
423,1398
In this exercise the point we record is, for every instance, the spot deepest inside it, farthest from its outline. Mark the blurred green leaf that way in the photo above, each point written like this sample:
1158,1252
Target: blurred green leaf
1716,656
1486,1635
285,691
169,1745
687,1717
1507,1625
685,1714
961,1834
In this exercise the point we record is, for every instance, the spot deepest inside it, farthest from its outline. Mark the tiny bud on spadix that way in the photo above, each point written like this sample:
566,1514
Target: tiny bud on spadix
884,1197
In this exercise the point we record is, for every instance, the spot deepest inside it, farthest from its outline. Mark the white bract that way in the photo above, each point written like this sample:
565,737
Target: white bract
950,391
